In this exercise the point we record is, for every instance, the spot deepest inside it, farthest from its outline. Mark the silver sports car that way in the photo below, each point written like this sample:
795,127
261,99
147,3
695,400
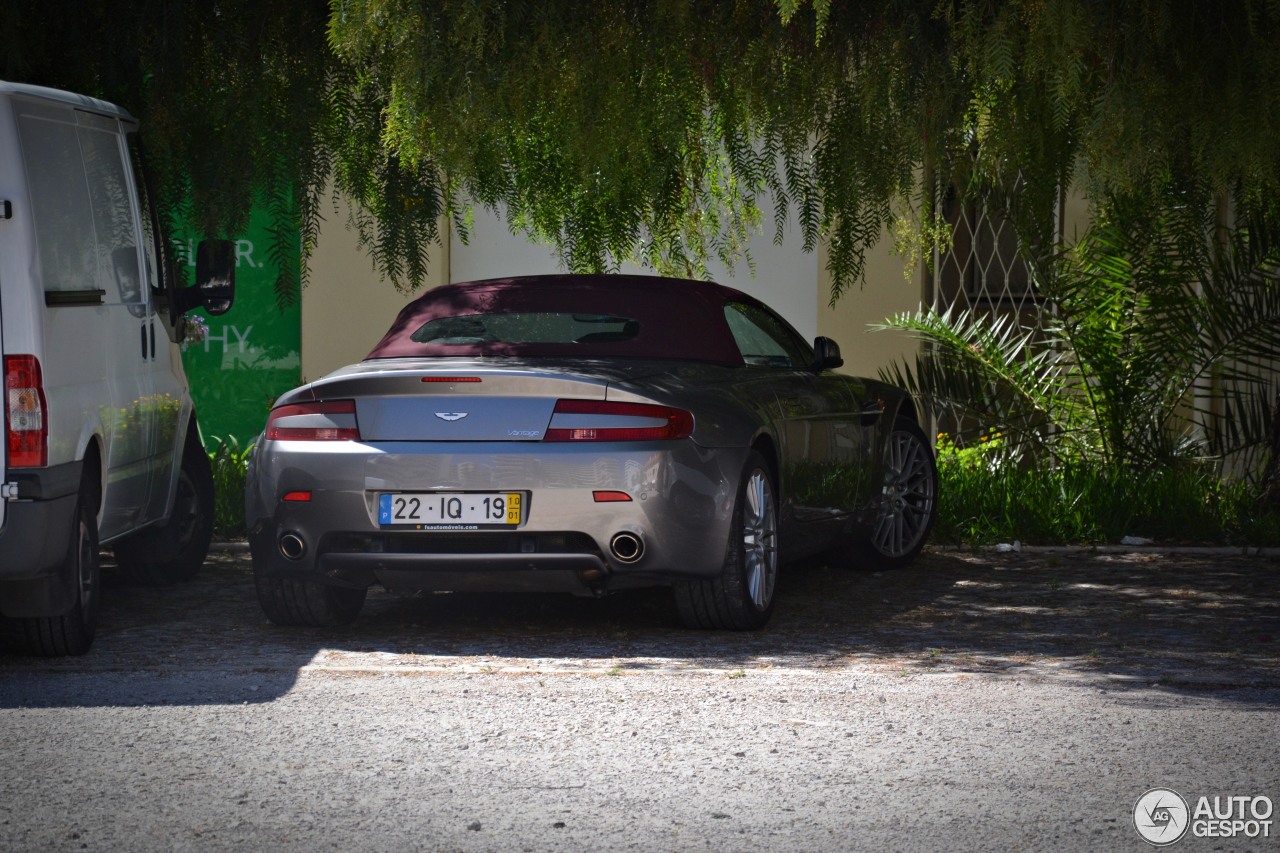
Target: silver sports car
585,434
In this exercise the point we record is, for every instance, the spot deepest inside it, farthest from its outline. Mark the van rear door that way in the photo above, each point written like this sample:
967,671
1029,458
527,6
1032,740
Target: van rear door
94,325
8,175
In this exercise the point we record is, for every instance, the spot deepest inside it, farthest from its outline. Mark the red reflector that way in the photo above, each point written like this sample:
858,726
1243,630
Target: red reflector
451,379
679,423
332,420
24,408
301,497
610,497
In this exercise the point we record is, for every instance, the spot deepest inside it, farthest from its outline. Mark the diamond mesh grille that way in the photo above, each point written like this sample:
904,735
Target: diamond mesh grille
984,271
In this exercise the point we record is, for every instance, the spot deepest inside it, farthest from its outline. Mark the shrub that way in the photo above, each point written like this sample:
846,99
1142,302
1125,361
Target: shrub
230,465
985,497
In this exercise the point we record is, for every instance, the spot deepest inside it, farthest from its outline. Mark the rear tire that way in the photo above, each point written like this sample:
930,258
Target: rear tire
908,502
70,633
175,551
290,602
741,597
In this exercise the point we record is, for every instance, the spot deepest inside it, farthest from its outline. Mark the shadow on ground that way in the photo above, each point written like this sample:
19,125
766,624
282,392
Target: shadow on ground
1180,622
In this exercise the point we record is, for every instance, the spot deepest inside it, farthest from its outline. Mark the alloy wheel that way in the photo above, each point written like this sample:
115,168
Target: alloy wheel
908,497
760,539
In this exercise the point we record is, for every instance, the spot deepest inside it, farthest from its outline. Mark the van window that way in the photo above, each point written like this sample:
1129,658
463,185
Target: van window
86,225
151,239
115,224
59,203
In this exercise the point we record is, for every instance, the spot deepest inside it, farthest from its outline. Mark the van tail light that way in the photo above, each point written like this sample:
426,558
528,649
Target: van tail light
599,420
25,412
331,420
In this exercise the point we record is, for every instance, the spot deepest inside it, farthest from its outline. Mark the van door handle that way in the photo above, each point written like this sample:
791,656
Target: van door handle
152,326
143,330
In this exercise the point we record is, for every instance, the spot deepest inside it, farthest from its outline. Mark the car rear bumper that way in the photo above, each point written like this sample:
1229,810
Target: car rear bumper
681,499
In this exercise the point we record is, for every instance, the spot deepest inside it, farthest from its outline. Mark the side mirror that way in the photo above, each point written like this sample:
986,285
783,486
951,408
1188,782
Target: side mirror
215,288
826,354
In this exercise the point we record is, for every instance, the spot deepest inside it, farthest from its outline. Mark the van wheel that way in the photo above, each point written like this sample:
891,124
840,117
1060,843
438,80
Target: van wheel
72,632
174,551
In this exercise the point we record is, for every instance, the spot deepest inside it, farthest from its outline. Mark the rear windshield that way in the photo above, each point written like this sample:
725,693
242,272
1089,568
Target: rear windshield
527,327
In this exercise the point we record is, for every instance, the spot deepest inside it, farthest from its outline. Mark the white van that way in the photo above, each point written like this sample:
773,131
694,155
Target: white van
101,444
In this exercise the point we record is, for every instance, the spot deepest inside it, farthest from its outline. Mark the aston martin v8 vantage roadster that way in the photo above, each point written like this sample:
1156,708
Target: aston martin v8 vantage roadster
584,434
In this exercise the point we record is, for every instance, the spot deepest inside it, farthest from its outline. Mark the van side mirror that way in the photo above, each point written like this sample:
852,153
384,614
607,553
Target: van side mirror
215,288
826,354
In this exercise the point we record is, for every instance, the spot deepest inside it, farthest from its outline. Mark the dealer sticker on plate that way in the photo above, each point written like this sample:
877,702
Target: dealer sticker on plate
450,509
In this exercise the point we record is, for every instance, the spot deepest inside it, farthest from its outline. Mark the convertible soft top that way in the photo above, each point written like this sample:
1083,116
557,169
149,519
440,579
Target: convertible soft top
651,317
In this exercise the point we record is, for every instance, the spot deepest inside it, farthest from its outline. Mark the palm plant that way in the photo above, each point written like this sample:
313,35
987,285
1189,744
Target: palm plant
1154,344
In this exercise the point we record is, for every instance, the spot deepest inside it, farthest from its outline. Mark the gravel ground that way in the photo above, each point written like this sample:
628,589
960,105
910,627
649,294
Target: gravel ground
971,702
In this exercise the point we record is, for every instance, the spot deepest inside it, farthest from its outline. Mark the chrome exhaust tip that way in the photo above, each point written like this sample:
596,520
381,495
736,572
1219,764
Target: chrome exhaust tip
292,546
626,547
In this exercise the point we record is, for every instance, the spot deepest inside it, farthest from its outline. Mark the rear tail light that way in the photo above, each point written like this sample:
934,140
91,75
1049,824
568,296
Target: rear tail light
598,420
332,420
25,412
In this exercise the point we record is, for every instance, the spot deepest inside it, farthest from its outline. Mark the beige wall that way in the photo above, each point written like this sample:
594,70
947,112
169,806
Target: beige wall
1075,216
886,291
347,306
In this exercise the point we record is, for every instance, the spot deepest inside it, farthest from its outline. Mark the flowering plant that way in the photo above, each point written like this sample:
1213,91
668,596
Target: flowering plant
195,330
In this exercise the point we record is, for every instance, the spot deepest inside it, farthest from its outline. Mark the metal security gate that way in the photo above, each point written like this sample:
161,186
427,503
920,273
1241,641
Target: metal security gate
984,270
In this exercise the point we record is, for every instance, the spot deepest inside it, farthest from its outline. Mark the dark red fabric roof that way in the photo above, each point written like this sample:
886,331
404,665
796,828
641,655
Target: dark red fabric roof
678,318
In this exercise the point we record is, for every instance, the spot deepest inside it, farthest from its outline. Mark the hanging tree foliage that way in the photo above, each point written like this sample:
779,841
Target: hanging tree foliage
666,131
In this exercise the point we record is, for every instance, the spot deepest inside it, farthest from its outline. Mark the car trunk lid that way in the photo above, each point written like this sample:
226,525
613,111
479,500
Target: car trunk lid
454,403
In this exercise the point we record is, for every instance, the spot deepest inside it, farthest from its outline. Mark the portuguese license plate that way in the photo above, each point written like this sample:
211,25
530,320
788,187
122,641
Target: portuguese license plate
451,510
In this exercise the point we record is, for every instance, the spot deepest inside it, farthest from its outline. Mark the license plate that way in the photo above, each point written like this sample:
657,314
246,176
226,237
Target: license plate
451,510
